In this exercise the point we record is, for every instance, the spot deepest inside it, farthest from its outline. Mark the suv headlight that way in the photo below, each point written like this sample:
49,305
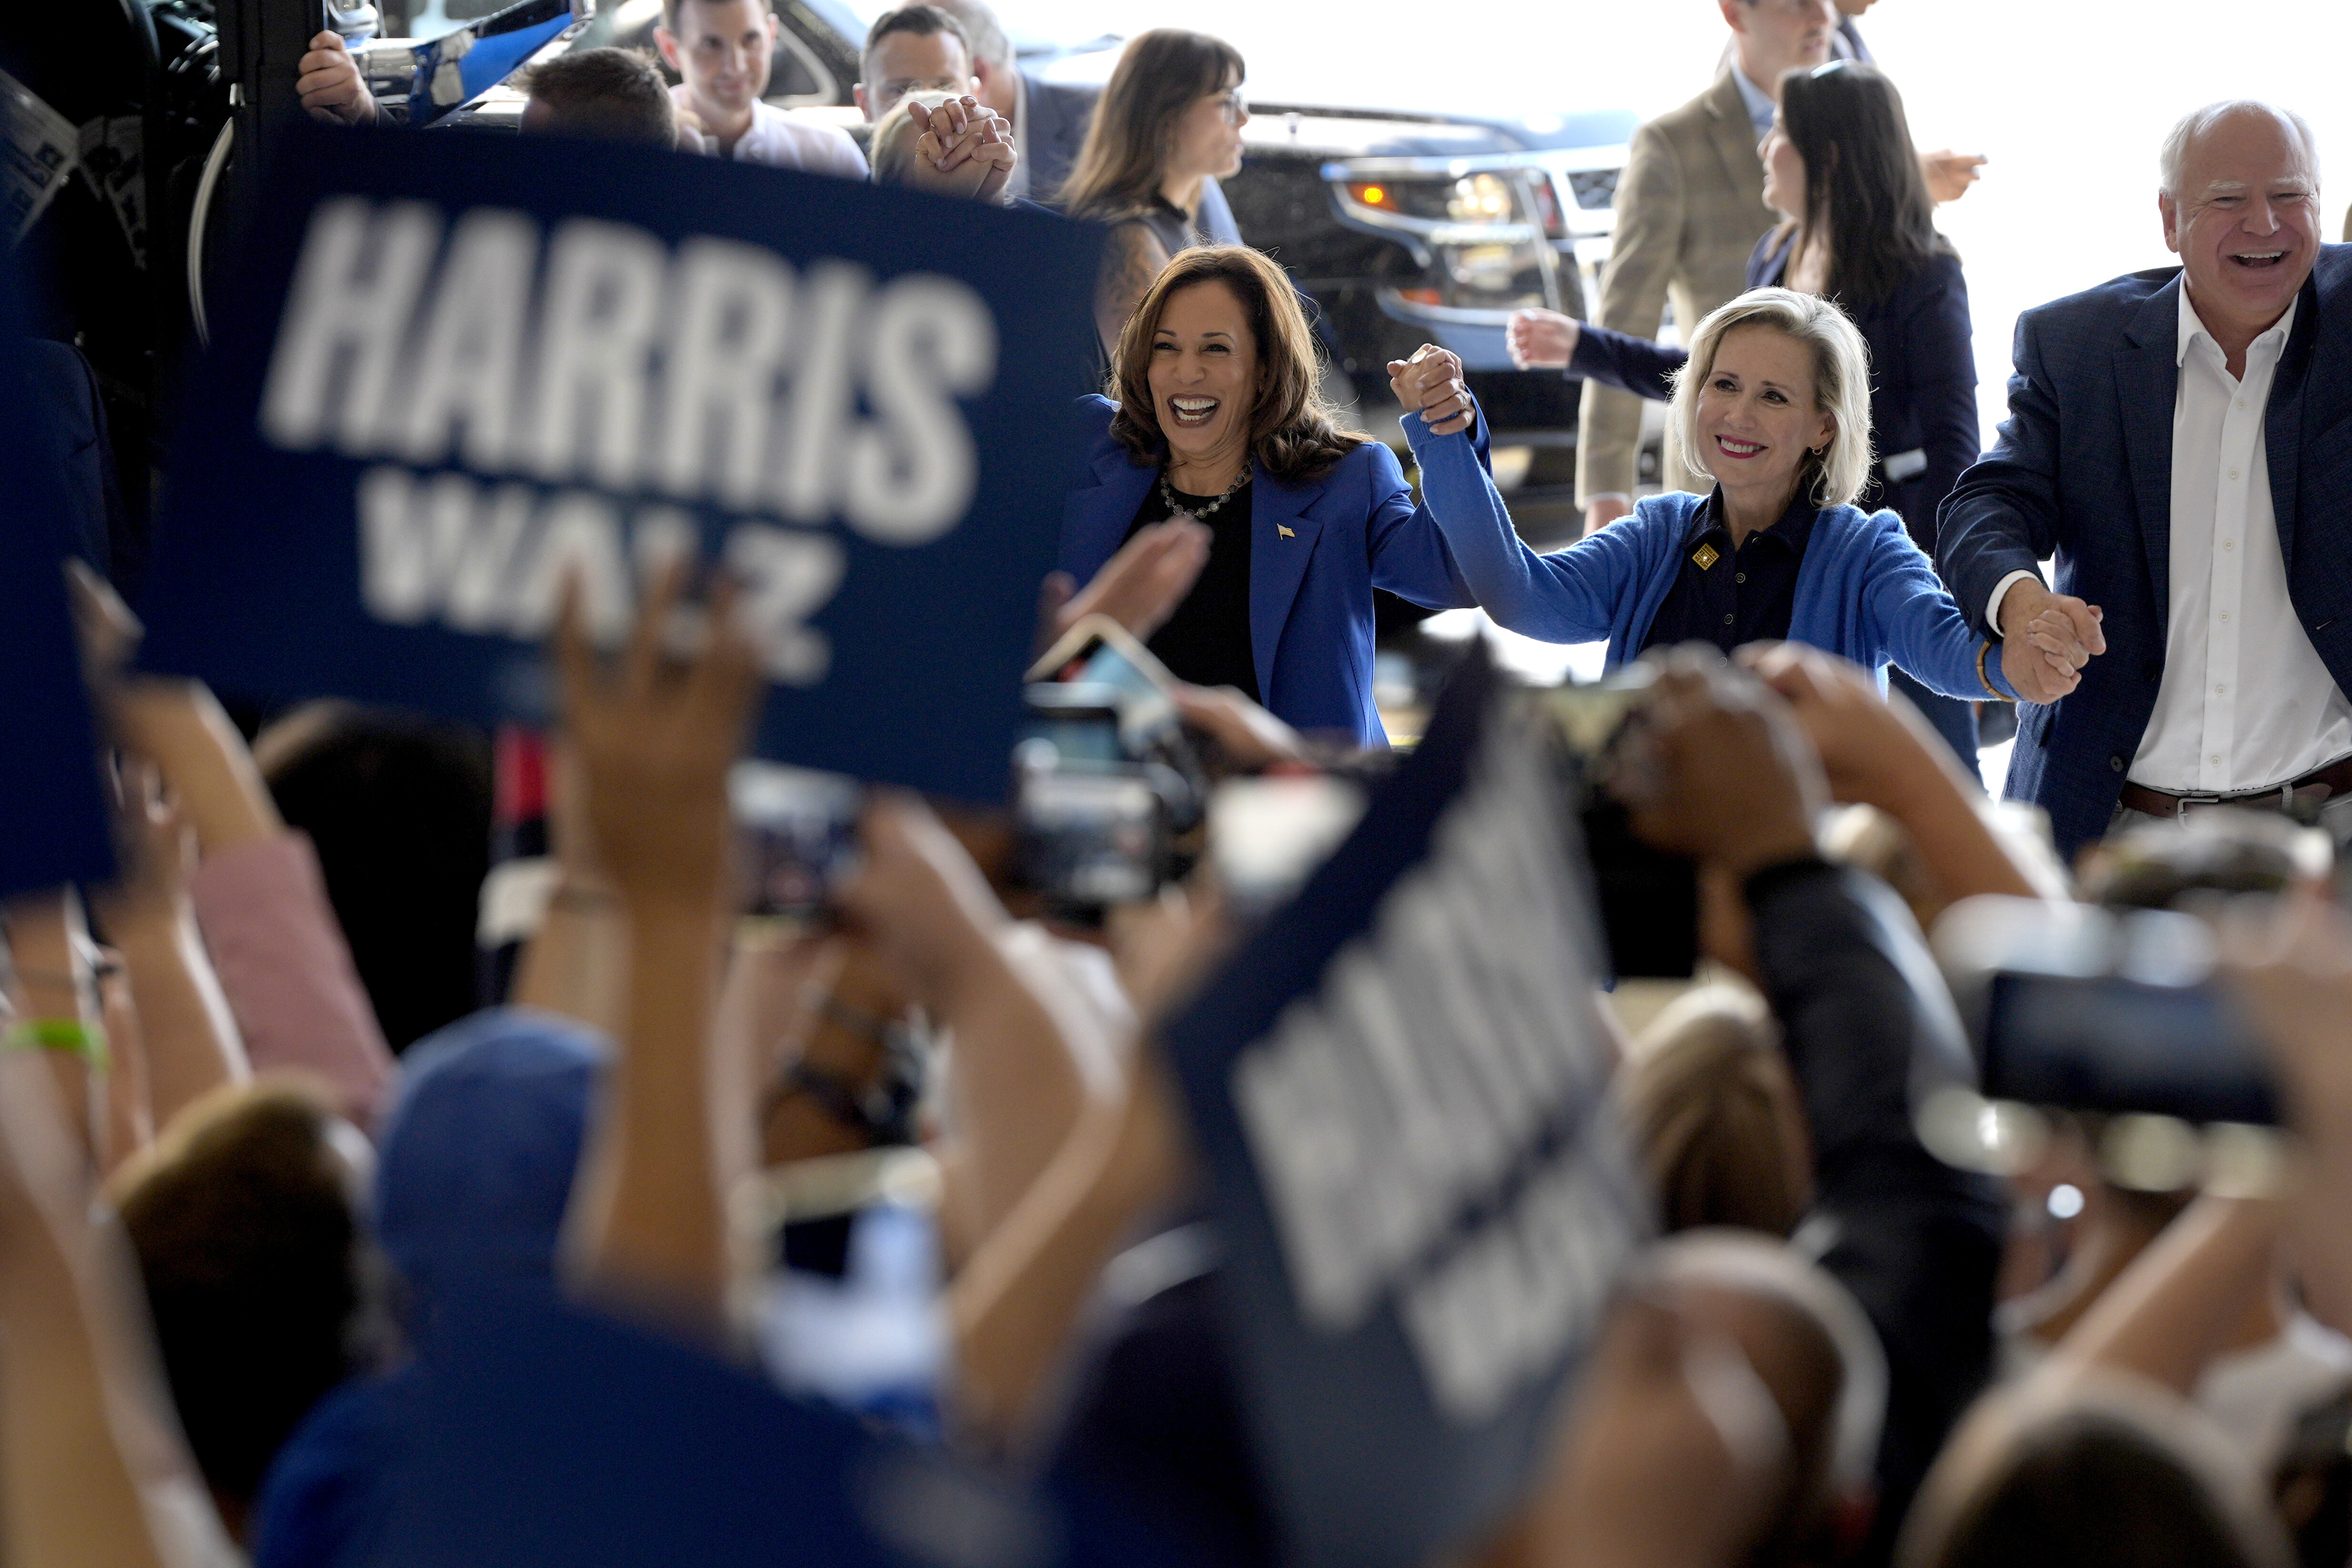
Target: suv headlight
1481,236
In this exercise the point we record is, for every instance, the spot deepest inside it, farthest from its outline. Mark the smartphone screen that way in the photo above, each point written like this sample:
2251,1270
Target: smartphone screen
1089,840
2104,1043
798,833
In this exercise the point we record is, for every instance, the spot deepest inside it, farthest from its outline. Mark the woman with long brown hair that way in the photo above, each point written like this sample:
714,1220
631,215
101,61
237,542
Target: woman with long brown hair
1171,119
1218,417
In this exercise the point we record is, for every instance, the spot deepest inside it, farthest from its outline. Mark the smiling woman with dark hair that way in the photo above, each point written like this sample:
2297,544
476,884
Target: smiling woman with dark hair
1219,418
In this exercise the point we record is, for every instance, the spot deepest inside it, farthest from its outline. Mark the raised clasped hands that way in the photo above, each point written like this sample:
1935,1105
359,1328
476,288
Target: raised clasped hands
1541,339
2046,640
962,149
1431,384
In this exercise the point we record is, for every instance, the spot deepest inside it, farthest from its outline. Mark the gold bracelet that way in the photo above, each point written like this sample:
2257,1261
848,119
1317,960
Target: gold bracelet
1991,690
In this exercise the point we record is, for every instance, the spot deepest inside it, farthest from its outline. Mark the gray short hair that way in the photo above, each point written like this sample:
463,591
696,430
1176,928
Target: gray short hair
981,28
1841,384
2197,121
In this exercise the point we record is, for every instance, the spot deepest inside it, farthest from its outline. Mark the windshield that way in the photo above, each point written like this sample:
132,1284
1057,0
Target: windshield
1561,60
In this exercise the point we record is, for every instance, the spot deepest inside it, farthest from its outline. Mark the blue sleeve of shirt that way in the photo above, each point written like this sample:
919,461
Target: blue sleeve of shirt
1571,596
1625,361
1916,623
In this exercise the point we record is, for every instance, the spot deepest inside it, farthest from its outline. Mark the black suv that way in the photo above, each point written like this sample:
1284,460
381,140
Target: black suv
1406,228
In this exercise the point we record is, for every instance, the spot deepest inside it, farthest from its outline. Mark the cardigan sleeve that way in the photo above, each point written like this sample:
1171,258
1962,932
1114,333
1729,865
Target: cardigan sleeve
1571,596
1917,625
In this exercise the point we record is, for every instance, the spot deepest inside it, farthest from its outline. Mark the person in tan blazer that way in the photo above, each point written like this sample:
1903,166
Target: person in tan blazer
1690,206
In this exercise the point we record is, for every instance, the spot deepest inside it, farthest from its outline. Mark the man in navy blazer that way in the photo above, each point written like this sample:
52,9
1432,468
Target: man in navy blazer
2181,441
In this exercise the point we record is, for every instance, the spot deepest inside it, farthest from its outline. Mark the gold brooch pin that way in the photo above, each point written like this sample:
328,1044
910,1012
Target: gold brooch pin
1284,531
1705,556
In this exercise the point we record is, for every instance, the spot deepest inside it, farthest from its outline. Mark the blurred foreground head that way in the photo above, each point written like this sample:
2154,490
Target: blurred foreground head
399,809
604,94
1716,1116
1814,1350
246,1220
2103,1472
479,1152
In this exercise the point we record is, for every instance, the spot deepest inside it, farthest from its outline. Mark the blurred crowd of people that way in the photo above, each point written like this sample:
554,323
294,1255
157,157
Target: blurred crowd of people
382,1009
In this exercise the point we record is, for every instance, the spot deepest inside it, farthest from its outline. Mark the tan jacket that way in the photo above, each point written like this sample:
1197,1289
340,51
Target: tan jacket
1690,207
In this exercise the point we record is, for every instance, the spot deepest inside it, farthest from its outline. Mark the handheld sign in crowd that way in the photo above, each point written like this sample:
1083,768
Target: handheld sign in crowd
461,369
549,1437
1399,1088
54,826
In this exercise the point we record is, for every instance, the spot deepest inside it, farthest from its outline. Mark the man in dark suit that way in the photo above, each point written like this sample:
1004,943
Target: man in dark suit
2181,441
1049,119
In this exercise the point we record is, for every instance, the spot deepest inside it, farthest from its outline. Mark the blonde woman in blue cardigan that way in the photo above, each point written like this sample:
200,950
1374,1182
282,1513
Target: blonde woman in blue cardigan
1774,403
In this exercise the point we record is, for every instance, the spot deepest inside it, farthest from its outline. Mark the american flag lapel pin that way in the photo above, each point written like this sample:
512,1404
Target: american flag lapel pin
1284,531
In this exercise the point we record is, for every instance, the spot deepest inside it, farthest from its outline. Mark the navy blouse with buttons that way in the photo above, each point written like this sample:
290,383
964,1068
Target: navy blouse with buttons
1727,596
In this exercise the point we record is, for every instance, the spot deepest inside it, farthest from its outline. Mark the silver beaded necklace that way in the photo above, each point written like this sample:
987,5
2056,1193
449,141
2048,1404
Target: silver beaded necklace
1168,494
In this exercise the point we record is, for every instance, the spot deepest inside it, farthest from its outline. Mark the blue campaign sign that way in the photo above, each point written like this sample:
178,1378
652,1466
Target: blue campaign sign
461,368
53,817
1398,1087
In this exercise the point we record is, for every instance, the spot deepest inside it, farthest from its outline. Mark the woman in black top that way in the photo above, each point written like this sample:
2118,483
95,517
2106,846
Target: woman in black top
1861,230
1170,117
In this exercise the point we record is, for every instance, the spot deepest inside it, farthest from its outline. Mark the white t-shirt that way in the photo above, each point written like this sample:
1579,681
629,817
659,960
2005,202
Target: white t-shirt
779,141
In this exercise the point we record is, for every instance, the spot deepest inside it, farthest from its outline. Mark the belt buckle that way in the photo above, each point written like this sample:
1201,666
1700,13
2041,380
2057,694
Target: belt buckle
2180,803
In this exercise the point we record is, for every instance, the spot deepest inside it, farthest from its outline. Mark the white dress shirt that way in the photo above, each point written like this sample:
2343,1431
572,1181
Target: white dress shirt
2244,703
779,141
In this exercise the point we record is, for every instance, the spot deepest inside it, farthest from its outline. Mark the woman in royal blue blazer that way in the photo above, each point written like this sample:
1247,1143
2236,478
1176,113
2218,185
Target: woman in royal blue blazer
1218,417
1861,229
1774,403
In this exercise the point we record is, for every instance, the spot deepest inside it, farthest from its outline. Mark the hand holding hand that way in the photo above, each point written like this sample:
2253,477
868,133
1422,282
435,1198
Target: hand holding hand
331,85
2046,640
1140,587
1430,384
1541,339
1949,174
1870,745
1725,774
655,738
960,138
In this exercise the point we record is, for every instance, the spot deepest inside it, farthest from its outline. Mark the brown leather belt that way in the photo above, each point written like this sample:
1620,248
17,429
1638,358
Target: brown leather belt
2310,790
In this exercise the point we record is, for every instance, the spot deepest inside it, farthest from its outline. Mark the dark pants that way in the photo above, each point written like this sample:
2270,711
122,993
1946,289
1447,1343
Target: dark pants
1954,720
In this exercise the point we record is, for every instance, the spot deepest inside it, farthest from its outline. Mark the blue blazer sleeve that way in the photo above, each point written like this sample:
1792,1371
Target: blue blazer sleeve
1917,625
1627,362
1408,548
2002,516
1572,597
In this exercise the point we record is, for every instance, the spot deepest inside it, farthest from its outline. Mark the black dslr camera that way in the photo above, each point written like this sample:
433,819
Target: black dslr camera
1648,898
